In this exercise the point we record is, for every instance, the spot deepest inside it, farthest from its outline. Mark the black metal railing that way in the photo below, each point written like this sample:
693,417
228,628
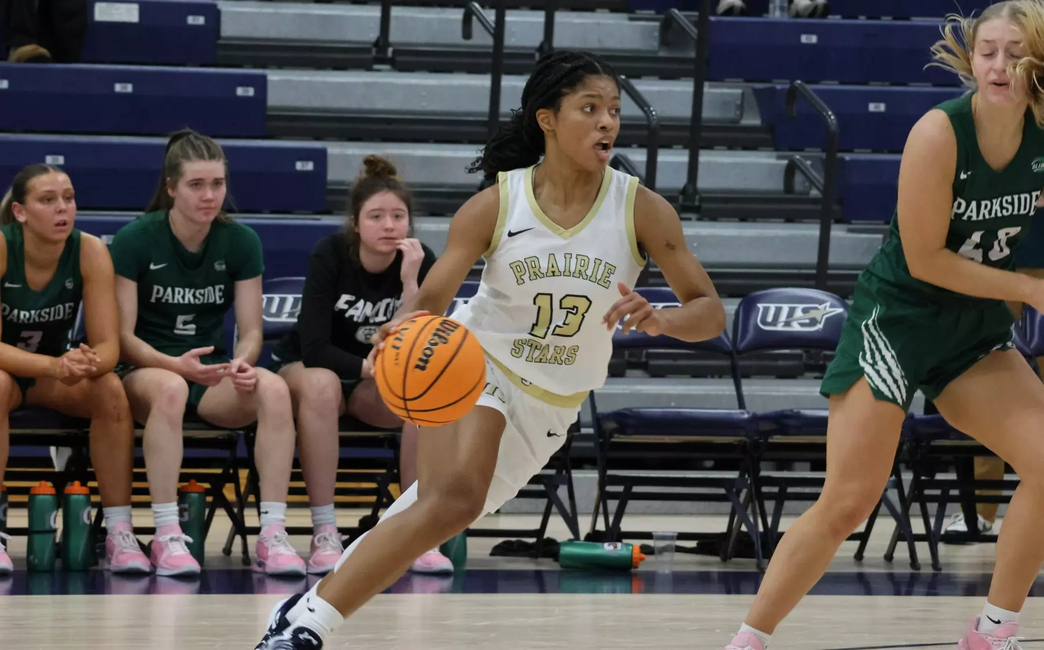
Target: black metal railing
383,53
548,44
799,88
652,130
622,162
689,199
496,30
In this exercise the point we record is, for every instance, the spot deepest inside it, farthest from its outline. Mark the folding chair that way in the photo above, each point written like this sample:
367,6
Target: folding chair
628,438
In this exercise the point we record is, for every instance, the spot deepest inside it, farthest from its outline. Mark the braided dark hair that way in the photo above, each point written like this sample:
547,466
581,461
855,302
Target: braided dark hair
520,142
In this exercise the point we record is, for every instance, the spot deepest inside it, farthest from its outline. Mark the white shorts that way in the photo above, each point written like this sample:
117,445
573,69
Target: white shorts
533,432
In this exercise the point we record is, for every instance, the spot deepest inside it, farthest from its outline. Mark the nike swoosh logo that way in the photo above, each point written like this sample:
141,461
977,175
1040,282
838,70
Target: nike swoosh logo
552,434
512,233
993,621
153,267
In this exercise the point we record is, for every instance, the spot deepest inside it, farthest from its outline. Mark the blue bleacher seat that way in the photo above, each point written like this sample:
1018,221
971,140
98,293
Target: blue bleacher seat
868,186
121,173
875,118
846,51
132,100
907,8
790,319
180,32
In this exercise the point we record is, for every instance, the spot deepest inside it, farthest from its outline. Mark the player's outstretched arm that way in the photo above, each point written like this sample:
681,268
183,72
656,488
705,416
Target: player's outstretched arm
658,229
470,236
925,207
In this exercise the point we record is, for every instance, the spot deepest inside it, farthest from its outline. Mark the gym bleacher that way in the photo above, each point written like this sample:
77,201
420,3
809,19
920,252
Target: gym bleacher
299,92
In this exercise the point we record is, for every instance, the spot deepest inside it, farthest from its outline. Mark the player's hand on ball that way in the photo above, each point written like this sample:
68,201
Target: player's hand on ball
244,376
387,330
635,312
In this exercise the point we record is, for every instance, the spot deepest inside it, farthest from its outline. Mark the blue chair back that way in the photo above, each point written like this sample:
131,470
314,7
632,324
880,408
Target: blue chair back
788,319
281,304
1032,333
660,297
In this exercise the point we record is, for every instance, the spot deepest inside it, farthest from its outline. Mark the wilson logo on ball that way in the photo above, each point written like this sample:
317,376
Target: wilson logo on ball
441,336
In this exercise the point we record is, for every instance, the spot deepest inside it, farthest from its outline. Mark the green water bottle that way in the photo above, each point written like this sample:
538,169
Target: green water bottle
43,522
456,549
192,511
3,509
76,528
591,555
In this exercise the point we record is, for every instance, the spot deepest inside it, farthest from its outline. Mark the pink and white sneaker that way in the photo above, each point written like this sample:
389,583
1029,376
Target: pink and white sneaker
1003,638
745,641
432,563
6,566
170,556
326,550
122,552
274,556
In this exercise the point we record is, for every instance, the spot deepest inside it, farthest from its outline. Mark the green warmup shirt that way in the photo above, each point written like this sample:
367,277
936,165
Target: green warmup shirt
183,296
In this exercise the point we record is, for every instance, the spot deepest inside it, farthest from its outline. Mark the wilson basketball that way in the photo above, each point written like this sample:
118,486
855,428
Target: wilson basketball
431,371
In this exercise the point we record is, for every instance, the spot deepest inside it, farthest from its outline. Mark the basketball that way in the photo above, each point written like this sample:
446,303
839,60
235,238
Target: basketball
431,371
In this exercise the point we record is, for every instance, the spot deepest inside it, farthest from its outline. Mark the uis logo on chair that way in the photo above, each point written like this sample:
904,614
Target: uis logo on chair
281,308
782,317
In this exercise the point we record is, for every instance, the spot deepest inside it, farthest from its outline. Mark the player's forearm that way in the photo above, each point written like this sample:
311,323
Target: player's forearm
140,354
248,348
948,270
697,320
109,353
424,300
19,363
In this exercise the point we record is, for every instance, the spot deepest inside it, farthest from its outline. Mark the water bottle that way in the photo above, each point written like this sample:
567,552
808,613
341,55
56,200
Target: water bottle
192,511
76,528
591,555
3,509
456,549
43,522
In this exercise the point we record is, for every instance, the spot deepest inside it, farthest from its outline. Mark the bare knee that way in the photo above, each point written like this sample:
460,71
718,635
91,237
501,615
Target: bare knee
318,389
168,401
458,505
273,395
842,511
108,398
8,387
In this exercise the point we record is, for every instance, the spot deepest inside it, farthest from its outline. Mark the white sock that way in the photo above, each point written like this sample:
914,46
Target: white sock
117,515
764,638
994,617
324,516
316,614
165,514
272,513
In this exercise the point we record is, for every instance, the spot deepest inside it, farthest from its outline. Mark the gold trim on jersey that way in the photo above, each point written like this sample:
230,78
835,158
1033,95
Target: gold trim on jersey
554,399
498,231
607,177
632,237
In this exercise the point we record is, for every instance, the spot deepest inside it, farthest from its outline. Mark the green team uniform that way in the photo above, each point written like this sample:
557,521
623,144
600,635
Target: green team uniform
904,334
183,296
39,321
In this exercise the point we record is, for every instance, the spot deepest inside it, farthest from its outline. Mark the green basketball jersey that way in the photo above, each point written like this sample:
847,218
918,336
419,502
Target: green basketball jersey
992,210
40,321
183,296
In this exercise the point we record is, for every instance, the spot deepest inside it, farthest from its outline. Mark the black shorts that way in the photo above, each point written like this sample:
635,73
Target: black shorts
281,359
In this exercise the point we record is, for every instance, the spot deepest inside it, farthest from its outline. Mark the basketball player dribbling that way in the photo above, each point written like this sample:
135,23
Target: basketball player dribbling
564,237
929,313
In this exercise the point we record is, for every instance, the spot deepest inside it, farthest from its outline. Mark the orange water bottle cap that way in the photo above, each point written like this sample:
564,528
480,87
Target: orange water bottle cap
76,488
43,488
192,486
637,557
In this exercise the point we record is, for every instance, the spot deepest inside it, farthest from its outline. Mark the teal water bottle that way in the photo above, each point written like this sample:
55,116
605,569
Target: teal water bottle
43,523
456,549
3,509
76,528
591,555
192,511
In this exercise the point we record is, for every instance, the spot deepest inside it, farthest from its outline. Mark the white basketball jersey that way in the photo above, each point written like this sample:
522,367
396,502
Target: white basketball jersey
539,307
